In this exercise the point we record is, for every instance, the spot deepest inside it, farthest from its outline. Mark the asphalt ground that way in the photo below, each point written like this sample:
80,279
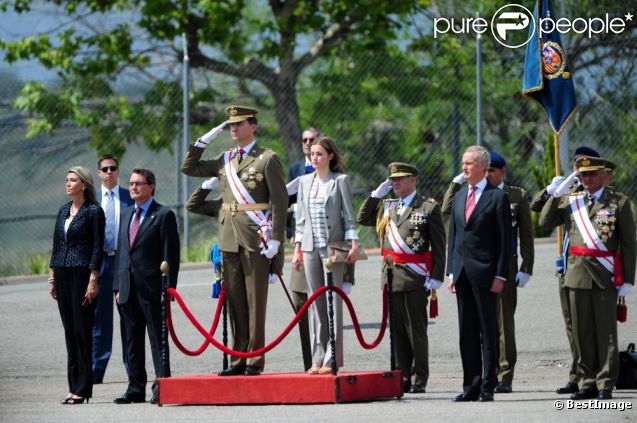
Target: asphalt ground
33,359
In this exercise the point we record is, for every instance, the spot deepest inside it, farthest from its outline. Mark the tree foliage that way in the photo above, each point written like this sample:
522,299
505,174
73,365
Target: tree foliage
271,43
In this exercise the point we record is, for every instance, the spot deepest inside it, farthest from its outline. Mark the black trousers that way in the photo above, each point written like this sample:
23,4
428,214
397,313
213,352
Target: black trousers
141,314
70,288
477,317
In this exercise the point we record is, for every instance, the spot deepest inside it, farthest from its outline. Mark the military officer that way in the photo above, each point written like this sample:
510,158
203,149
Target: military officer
411,230
518,277
601,267
536,205
254,198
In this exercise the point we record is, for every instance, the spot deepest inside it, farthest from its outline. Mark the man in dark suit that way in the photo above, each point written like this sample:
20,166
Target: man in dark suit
113,199
479,252
298,283
147,236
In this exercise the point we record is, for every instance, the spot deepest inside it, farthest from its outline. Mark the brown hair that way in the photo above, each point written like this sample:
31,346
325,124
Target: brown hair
107,157
148,174
336,164
85,176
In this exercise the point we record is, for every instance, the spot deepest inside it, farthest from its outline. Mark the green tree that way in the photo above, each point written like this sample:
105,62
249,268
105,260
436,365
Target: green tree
268,43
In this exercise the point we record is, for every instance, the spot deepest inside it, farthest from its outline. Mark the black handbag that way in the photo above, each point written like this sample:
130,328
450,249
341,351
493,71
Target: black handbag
627,368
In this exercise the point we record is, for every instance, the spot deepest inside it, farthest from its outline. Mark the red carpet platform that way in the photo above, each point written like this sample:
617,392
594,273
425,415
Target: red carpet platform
280,388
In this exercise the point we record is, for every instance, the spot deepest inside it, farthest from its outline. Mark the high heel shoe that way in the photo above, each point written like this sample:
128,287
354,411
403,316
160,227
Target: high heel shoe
325,370
73,401
314,370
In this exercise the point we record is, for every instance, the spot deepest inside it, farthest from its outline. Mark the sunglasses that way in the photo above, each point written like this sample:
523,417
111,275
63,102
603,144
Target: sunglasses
137,184
308,140
107,168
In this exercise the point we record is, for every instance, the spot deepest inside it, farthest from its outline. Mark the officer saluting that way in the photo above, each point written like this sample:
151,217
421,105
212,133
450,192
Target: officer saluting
254,198
601,267
410,230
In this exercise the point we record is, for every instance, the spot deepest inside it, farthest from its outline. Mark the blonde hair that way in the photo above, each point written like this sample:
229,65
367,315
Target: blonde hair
85,176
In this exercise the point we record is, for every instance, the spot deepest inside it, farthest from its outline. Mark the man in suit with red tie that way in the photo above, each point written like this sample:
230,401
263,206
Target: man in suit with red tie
147,236
479,252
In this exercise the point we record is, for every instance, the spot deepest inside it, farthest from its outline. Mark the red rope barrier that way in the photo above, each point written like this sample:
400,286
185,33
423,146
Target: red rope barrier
212,330
210,339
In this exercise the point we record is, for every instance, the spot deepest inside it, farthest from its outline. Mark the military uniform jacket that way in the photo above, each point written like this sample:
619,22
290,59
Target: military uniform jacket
612,218
262,175
521,225
420,225
198,204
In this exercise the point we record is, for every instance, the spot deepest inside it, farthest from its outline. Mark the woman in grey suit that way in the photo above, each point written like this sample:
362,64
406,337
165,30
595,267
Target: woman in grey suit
324,215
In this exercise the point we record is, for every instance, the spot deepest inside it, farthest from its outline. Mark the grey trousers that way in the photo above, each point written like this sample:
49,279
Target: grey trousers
319,320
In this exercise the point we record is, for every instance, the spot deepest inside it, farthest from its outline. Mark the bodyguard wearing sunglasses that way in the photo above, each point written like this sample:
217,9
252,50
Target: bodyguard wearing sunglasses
113,199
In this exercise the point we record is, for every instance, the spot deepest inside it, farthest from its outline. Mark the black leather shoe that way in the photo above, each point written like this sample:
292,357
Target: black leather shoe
466,397
569,388
485,397
129,399
503,388
253,370
584,394
605,394
154,399
98,380
237,370
417,389
406,386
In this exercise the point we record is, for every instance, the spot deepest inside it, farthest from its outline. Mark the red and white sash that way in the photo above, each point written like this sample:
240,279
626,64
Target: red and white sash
242,196
399,245
588,232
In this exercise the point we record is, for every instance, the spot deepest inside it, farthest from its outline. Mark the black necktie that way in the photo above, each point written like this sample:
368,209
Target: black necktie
591,200
241,151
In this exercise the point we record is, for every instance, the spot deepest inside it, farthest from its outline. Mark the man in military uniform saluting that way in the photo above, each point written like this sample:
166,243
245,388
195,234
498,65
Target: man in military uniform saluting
508,298
601,267
254,198
537,203
410,230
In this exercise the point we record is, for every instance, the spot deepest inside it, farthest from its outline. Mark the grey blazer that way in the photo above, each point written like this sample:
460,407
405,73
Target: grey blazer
339,212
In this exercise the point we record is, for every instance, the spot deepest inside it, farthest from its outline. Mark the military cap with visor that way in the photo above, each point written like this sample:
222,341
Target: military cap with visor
400,170
240,113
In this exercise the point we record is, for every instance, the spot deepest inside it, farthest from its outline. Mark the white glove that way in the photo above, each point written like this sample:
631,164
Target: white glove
382,190
522,279
293,186
450,278
557,180
212,183
459,179
624,289
203,141
565,185
272,250
272,278
347,287
433,284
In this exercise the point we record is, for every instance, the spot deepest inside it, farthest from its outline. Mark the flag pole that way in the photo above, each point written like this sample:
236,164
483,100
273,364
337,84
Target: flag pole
556,152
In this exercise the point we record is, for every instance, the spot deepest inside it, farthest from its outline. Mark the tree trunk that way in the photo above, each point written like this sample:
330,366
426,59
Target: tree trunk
287,116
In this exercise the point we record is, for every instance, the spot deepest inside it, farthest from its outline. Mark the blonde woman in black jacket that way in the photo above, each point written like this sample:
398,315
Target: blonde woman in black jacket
78,242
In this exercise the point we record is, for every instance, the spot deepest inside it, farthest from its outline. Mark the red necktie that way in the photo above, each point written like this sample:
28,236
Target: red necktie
471,203
134,227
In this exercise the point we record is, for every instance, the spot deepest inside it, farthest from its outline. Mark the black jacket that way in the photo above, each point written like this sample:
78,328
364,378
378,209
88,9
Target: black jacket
84,239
